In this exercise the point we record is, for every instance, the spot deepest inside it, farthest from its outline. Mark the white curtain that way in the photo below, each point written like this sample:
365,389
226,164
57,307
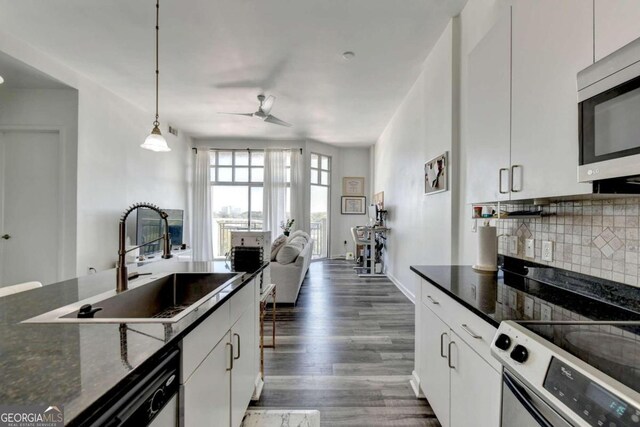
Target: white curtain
202,245
297,190
275,190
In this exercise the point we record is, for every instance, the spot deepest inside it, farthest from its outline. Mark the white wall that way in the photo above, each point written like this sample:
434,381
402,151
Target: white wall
422,128
49,109
346,161
113,171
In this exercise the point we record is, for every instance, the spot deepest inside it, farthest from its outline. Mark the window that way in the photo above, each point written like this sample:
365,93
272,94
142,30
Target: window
236,194
320,191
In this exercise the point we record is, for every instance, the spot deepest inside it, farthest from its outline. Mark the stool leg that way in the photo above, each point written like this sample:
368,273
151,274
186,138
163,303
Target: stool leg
273,319
262,313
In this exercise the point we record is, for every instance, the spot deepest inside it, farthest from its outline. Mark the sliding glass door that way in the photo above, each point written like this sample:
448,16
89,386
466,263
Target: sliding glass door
320,207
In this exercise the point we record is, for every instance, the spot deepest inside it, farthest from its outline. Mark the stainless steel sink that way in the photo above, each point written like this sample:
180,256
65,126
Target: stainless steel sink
161,300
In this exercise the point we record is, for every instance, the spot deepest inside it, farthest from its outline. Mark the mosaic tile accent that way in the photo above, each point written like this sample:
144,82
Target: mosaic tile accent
596,237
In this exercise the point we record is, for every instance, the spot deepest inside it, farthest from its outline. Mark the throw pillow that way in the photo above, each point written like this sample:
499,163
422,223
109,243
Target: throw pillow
299,233
277,244
289,252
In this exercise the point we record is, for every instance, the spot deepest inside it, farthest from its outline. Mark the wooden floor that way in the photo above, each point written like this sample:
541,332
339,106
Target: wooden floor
347,350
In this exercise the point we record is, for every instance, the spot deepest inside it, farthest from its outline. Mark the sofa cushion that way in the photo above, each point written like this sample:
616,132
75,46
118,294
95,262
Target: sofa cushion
289,252
299,233
277,244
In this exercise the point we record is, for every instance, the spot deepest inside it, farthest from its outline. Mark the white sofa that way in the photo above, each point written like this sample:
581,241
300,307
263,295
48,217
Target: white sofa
289,277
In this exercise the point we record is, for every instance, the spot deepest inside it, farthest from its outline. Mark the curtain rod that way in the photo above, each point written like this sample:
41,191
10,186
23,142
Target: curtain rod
195,149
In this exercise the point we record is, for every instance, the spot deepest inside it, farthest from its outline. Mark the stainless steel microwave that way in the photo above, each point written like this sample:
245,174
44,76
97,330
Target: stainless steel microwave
609,116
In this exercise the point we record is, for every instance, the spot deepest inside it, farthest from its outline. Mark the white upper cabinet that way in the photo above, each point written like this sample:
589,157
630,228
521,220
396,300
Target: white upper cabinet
488,113
617,23
552,41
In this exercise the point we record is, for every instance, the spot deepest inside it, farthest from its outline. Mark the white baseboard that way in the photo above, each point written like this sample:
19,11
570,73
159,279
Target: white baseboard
402,288
415,385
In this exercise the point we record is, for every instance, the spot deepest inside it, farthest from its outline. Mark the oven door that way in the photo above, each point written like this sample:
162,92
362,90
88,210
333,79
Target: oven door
521,407
610,133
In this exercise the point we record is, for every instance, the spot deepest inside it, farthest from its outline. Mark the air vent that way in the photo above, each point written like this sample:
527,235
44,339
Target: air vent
173,130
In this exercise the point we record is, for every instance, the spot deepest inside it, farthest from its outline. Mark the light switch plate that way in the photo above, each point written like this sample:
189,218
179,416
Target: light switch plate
513,245
529,248
547,251
528,307
474,226
545,312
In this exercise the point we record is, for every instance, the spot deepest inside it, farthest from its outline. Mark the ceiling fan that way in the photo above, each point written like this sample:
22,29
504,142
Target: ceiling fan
266,104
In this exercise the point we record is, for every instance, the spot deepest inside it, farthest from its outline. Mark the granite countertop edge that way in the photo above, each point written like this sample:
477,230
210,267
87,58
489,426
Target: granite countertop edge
416,269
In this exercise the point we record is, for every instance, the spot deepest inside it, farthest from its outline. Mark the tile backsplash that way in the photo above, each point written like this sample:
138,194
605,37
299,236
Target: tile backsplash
595,237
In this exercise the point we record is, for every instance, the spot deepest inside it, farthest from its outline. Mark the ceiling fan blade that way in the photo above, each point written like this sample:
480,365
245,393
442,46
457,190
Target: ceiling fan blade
236,114
267,104
277,121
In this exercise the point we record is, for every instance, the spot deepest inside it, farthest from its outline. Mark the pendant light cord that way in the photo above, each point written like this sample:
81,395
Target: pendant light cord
157,123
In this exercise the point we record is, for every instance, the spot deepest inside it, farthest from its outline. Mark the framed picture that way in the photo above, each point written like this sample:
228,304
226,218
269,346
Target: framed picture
436,174
378,200
354,205
353,186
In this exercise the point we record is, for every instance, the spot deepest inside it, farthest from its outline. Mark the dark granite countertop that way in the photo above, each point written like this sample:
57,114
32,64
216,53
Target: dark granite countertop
500,296
74,365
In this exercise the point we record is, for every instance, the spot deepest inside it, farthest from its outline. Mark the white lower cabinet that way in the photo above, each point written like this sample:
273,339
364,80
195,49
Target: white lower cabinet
463,388
207,393
475,388
433,369
218,391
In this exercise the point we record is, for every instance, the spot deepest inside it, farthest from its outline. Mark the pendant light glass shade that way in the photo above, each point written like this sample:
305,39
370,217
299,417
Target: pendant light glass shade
155,141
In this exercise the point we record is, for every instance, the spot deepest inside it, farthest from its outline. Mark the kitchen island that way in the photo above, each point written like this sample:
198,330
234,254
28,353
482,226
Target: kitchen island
78,366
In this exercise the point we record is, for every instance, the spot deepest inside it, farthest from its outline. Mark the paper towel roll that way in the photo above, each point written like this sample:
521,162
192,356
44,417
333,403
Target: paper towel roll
487,256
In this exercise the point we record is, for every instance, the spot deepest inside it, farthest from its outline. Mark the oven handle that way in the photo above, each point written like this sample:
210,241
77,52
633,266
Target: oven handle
525,400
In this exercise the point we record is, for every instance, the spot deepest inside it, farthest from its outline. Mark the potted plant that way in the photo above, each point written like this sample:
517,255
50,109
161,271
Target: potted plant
286,226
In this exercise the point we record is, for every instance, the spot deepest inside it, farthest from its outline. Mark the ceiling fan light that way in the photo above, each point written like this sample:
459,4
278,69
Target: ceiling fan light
155,141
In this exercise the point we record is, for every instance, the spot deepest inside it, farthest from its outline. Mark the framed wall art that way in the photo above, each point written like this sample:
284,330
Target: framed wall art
353,186
354,205
436,174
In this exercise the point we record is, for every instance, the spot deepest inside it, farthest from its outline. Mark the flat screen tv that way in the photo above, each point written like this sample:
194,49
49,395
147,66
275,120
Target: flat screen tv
149,226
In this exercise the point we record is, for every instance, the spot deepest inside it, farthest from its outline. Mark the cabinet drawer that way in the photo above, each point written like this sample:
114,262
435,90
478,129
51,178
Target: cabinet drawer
437,301
241,300
199,342
477,333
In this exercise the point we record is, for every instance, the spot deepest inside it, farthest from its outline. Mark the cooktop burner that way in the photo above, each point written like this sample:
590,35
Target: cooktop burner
611,347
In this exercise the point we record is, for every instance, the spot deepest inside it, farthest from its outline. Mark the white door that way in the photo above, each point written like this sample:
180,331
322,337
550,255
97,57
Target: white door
552,41
434,379
476,388
243,374
30,217
488,115
207,393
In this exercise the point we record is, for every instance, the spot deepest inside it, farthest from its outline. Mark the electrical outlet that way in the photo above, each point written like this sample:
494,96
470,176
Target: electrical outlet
529,248
545,312
513,245
528,307
547,250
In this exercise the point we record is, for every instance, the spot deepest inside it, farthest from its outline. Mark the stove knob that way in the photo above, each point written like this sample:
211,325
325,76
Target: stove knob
503,342
519,354
157,401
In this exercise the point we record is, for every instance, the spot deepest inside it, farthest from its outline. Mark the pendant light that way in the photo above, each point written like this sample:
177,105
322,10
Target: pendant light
155,141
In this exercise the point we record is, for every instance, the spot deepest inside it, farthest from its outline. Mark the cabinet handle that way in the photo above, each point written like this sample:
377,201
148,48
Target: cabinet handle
449,355
238,337
432,300
513,173
444,356
470,332
230,355
500,180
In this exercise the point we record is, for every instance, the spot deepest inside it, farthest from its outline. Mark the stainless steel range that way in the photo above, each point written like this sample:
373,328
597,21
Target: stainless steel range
569,373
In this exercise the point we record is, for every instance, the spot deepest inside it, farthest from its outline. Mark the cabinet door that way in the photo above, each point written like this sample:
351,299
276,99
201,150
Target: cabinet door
244,373
476,388
616,25
434,380
552,41
488,115
207,393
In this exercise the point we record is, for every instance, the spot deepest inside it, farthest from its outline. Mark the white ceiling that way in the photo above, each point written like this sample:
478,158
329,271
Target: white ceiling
18,75
217,55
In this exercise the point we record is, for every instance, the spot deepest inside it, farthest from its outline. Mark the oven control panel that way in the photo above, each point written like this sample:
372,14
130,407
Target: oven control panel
593,403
